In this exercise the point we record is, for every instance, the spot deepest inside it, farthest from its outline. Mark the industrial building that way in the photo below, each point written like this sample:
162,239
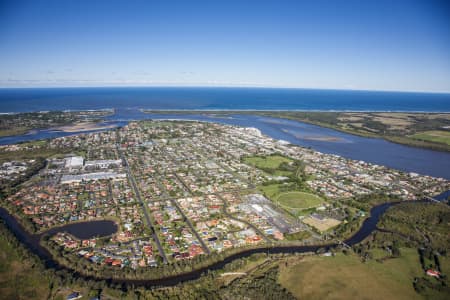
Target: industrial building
91,176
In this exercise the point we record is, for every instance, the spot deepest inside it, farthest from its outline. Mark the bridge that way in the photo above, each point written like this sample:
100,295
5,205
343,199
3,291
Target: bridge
432,199
233,273
343,244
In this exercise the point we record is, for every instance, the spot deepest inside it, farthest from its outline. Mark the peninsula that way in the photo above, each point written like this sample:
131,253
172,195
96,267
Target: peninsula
184,195
424,130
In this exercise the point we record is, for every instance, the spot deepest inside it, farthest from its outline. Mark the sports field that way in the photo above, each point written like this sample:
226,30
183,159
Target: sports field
299,200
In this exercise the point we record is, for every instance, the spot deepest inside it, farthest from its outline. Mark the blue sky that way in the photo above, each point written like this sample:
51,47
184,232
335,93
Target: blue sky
374,45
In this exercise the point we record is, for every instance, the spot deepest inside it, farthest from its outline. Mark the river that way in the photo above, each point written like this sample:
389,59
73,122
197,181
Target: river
325,140
32,242
373,150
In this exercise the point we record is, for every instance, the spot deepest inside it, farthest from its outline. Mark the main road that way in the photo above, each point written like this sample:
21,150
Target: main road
144,207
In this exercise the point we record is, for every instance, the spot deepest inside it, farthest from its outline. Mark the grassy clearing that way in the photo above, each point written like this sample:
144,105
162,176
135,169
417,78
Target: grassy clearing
299,200
267,162
298,236
321,225
346,277
19,278
271,190
378,253
437,136
30,154
294,178
13,131
445,264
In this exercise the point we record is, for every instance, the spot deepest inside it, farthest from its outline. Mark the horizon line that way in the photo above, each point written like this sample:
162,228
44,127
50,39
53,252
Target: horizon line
228,87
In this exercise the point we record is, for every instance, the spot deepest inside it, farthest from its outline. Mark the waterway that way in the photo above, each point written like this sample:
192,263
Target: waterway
80,230
86,230
373,150
325,140
32,242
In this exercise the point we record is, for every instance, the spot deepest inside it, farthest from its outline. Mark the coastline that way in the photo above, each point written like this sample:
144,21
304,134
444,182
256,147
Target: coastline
15,124
402,140
217,262
82,127
282,114
377,150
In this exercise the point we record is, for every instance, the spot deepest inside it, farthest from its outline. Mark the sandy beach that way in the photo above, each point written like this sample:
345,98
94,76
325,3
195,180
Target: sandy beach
84,126
322,138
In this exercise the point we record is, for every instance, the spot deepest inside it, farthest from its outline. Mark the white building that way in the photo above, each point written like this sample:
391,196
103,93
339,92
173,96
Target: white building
74,162
103,164
91,176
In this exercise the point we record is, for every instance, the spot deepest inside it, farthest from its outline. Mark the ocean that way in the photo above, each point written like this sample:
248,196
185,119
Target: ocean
127,103
173,98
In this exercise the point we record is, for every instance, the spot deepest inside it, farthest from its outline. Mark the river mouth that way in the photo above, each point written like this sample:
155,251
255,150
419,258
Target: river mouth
325,140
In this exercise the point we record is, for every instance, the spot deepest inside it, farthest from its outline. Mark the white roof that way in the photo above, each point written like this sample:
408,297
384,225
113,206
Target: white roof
257,207
74,161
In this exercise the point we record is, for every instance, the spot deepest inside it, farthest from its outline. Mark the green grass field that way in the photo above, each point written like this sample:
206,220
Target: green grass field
13,131
271,190
346,277
437,136
19,279
298,200
270,162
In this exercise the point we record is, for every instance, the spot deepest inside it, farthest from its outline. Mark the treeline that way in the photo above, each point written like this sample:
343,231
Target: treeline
263,286
296,178
24,281
425,222
414,142
386,241
260,286
54,279
71,260
352,222
430,259
423,226
8,187
366,202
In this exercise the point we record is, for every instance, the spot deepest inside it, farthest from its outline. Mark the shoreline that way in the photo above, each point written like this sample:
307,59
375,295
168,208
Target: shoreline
384,161
230,110
110,110
360,234
82,127
397,139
